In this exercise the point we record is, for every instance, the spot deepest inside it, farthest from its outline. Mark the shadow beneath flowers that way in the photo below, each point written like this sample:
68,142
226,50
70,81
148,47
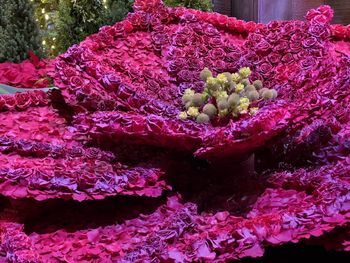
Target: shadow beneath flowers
51,215
291,253
232,186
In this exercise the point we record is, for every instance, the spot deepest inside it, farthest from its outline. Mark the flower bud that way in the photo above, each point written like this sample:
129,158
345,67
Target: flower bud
249,88
189,92
267,94
223,113
233,100
193,112
222,79
183,115
253,95
223,105
210,110
253,111
258,84
275,93
236,77
197,99
203,118
211,81
228,75
244,101
186,98
205,74
215,87
239,88
245,82
188,104
263,90
222,94
245,72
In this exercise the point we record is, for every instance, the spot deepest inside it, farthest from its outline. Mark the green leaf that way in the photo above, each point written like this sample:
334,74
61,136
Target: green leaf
6,89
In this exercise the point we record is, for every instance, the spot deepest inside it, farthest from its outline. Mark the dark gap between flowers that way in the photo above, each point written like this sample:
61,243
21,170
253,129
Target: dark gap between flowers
292,253
51,215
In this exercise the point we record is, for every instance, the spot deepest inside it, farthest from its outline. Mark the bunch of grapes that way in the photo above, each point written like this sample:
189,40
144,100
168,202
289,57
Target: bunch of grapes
223,96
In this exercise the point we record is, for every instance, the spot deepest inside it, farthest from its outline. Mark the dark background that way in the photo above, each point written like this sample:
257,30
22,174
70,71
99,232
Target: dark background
264,11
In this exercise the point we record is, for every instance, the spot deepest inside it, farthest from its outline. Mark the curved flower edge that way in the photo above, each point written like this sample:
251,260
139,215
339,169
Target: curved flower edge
268,123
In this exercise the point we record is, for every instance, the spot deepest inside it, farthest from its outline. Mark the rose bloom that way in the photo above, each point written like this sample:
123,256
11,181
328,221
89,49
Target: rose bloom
23,100
232,57
222,21
295,47
309,42
210,31
2,102
217,54
10,102
215,42
274,58
339,31
181,40
298,35
38,97
272,37
76,81
319,31
255,37
320,19
263,47
195,63
308,63
287,58
185,75
282,47
250,26
265,69
153,85
273,25
177,65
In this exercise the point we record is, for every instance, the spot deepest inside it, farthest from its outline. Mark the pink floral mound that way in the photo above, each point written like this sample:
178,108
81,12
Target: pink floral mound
42,158
113,131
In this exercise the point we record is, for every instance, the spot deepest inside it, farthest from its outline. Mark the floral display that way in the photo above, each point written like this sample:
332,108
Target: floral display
188,165
227,95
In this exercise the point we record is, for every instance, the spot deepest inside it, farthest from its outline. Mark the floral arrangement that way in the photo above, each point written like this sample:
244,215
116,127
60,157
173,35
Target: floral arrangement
114,131
226,95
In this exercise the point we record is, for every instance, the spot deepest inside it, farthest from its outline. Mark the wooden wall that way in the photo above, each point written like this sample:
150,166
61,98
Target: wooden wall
266,10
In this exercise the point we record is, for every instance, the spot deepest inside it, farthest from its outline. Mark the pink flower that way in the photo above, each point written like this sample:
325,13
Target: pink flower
23,100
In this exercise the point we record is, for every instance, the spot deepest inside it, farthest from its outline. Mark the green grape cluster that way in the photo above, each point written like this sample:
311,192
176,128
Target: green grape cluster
227,94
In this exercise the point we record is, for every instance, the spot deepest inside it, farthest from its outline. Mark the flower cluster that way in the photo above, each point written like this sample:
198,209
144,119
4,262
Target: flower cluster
23,100
224,95
116,131
27,74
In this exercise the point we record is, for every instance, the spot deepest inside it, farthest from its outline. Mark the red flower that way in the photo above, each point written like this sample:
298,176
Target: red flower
309,42
339,31
217,54
23,100
76,81
10,102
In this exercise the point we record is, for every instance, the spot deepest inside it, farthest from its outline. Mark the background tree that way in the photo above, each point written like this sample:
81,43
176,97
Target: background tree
117,10
19,32
76,19
205,5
